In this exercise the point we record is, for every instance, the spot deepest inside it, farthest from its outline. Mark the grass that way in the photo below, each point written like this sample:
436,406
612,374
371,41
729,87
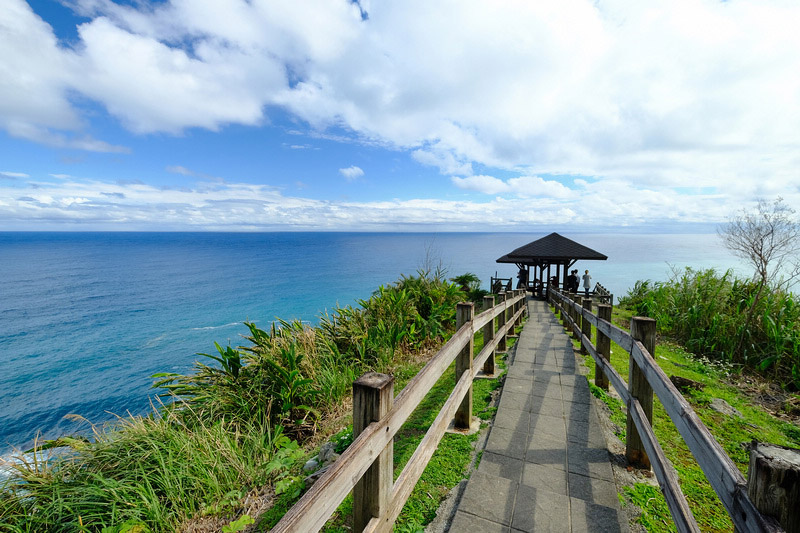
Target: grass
222,441
161,472
448,465
223,431
732,433
727,319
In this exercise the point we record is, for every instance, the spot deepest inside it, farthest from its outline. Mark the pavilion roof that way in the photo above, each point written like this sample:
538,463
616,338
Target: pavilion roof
553,248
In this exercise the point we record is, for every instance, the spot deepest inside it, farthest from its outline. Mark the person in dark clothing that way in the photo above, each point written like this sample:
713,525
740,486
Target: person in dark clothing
572,281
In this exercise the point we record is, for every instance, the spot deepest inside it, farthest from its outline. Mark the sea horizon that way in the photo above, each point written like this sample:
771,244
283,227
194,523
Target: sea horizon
90,316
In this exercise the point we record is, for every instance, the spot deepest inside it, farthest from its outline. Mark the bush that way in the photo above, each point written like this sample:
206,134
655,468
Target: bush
707,311
226,427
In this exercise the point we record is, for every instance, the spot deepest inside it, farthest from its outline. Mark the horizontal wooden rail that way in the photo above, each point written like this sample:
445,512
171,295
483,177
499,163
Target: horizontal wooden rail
320,502
723,475
415,466
668,480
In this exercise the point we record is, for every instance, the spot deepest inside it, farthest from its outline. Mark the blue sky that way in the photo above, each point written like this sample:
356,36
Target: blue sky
396,115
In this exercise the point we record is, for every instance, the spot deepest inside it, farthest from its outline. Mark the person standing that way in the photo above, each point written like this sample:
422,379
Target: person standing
572,281
587,282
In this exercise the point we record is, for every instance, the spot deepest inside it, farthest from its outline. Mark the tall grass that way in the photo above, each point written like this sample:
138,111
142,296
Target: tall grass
223,428
154,472
723,317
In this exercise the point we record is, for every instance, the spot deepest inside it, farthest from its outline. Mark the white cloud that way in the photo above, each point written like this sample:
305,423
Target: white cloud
351,173
178,169
663,94
14,175
484,184
74,203
34,71
523,186
36,75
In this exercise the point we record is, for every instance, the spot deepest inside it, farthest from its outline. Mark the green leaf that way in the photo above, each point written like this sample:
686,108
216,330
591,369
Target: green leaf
238,524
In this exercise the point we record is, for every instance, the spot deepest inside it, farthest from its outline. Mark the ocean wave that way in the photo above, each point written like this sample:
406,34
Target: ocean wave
9,462
205,328
152,342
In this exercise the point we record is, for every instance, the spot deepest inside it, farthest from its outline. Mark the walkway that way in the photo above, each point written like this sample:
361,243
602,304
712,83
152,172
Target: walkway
546,466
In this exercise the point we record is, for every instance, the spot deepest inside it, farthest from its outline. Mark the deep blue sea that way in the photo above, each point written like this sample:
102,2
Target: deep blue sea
87,318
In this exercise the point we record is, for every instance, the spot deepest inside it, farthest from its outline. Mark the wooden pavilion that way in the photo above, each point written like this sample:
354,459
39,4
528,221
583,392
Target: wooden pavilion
543,254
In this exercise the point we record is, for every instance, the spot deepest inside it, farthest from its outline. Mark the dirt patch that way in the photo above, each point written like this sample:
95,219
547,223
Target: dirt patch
770,396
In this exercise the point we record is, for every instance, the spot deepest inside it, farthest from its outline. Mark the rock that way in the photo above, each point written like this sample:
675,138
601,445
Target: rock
684,384
311,465
313,477
326,451
721,406
792,406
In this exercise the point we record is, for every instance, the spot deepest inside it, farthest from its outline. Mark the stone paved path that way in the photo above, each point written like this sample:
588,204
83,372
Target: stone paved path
546,465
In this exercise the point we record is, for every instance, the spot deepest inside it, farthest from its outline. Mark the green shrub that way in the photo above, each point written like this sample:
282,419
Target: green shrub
221,431
708,313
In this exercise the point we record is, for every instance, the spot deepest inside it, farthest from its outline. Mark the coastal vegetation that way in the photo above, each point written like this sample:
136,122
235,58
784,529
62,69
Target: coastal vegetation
726,319
765,413
748,323
226,442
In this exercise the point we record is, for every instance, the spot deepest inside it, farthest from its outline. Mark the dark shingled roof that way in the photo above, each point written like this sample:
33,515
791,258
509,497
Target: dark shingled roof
553,248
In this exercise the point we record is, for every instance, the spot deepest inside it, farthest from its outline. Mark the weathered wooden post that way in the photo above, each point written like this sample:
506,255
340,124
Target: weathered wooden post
773,483
464,313
576,318
586,326
488,336
567,310
643,330
519,306
501,321
603,345
570,310
373,395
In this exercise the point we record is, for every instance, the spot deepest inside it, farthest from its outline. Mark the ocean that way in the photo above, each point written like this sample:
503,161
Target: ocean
87,318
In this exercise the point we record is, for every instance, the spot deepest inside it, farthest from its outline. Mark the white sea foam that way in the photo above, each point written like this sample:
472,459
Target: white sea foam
205,328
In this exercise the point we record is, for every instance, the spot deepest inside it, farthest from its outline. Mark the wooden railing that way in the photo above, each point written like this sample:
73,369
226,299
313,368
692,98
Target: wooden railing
366,466
601,294
644,379
498,285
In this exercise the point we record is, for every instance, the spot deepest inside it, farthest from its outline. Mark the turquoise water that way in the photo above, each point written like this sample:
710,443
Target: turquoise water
87,318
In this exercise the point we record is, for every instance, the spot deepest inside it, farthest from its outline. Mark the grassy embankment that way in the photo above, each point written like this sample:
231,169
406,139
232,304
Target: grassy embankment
225,447
703,310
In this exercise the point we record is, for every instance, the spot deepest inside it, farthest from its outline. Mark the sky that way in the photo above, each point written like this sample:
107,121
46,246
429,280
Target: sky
335,115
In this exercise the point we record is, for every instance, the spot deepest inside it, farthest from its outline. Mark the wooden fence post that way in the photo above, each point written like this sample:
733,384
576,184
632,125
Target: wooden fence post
488,336
586,326
510,312
518,306
501,321
566,311
373,395
464,313
576,317
773,483
603,345
643,330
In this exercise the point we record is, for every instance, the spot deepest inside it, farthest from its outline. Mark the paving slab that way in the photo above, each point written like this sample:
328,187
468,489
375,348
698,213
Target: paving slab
546,465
